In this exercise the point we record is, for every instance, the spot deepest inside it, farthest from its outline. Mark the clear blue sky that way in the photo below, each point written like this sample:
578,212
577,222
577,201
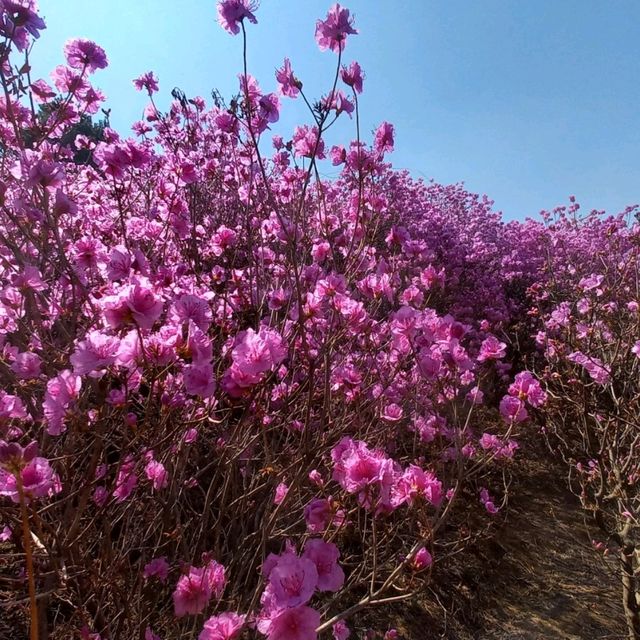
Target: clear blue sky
527,101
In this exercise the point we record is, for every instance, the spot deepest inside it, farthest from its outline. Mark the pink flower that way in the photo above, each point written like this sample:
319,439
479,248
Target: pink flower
422,559
156,472
383,139
100,496
362,468
352,76
297,623
224,626
96,351
18,20
232,12
392,412
636,349
157,568
198,380
46,173
317,514
27,366
527,388
38,481
126,481
84,54
189,307
255,354
512,409
325,556
488,503
61,392
195,589
293,580
414,483
289,85
136,304
147,81
491,349
222,239
268,109
281,492
11,407
594,367
332,32
307,143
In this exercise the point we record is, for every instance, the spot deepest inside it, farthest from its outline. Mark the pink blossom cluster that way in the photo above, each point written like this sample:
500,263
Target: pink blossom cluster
292,580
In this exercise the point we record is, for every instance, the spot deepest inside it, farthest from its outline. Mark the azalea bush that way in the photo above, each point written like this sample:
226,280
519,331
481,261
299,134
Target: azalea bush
237,399
590,323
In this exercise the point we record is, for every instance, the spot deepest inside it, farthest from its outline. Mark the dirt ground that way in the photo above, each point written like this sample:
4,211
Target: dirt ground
545,580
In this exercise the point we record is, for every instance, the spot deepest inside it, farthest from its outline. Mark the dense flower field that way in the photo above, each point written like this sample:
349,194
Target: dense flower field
238,400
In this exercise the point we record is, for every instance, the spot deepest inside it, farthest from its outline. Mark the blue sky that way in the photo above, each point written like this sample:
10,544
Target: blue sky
527,101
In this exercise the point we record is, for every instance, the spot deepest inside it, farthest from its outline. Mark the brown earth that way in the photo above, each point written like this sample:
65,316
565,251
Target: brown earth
545,581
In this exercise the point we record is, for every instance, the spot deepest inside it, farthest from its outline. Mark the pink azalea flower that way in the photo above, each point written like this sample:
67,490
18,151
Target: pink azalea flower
527,388
392,412
147,81
157,568
289,85
594,367
416,482
293,580
11,408
195,589
126,481
255,354
47,174
232,12
198,380
422,559
38,481
491,349
383,138
156,472
27,366
325,556
512,409
189,307
61,392
96,351
135,304
307,143
224,626
317,514
352,76
84,54
296,623
332,32
281,492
